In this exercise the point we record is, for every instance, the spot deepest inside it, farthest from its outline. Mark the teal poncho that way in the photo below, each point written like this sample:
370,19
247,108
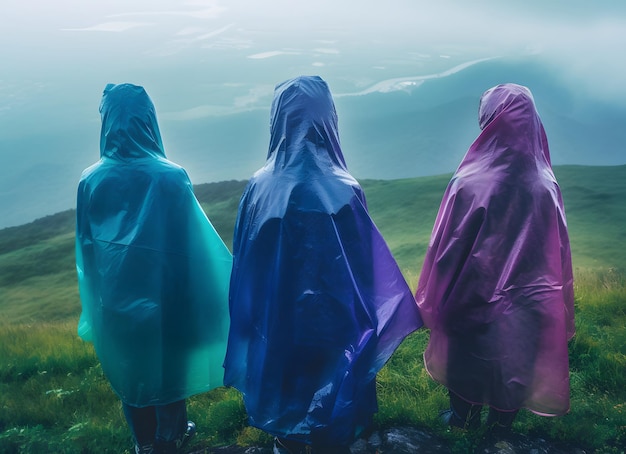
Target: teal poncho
152,271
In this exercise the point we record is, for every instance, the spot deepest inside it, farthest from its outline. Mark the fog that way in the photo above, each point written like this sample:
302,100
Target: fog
204,58
206,46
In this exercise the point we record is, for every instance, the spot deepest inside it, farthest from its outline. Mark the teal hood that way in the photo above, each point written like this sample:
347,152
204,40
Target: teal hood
129,124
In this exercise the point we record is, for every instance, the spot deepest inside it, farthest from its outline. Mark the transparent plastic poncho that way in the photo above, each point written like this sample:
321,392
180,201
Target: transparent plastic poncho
496,288
318,303
152,271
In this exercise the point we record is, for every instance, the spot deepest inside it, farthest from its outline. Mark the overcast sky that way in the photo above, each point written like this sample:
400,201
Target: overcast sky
54,45
212,57
202,58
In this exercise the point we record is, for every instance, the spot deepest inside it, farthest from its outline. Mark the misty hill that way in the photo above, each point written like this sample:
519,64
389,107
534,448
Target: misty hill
424,130
37,269
427,130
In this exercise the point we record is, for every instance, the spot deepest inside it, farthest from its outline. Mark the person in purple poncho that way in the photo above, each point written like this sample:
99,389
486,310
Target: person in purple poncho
317,302
496,288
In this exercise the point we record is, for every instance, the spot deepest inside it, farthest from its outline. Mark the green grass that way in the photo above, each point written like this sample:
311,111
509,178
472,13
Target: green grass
54,397
595,204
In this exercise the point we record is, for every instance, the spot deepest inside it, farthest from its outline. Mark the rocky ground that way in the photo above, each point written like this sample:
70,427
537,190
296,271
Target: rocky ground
409,440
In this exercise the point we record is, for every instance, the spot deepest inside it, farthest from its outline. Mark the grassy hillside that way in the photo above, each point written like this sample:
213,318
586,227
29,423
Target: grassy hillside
595,203
37,277
54,397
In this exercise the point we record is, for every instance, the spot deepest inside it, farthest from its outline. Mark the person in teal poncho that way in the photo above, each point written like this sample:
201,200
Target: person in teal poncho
153,275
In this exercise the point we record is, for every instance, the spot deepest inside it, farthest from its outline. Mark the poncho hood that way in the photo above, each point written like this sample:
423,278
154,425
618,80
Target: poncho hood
129,124
513,140
303,125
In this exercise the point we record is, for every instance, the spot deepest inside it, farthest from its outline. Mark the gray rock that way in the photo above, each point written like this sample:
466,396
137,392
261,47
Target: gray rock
411,440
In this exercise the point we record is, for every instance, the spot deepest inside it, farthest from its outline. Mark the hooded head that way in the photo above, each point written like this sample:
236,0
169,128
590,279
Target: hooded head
303,123
512,131
507,98
129,124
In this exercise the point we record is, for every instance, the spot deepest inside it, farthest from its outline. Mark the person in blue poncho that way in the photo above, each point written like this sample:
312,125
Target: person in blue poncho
152,272
317,302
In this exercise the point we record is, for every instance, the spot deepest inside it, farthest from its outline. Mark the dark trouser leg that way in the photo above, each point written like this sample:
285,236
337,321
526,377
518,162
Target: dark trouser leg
142,422
501,420
171,426
464,414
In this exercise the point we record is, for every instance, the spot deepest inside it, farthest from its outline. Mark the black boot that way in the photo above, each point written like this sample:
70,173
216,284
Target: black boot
500,422
461,414
144,449
285,446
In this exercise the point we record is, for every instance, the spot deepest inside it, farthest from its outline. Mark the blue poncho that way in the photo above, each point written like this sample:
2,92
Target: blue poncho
317,302
152,271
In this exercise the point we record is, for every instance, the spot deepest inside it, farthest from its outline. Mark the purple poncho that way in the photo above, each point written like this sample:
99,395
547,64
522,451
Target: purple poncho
317,302
496,288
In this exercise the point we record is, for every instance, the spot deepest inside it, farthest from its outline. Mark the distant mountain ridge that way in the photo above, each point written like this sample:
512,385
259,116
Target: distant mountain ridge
428,129
419,131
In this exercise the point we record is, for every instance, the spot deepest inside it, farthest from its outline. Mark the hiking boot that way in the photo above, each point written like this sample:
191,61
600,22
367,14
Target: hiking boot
500,423
450,418
188,435
284,446
144,449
